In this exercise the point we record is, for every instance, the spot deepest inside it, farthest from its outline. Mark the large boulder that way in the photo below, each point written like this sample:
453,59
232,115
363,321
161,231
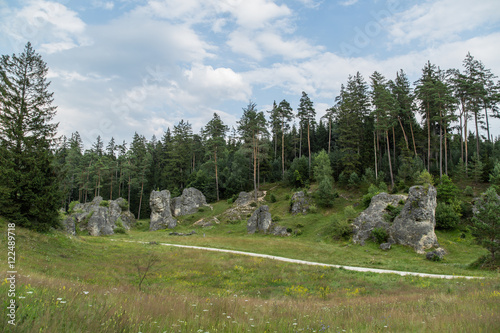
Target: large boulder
300,203
375,216
260,220
243,206
414,226
161,215
188,203
99,217
246,198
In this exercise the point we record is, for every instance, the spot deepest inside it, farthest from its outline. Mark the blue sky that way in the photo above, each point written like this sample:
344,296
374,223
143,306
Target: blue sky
124,66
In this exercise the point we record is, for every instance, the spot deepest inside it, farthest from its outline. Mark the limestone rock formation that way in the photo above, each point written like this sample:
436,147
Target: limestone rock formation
260,220
99,219
246,198
243,207
414,226
161,215
374,216
204,223
437,254
300,203
188,203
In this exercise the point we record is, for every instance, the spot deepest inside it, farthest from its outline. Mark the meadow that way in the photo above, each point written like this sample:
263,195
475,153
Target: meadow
92,284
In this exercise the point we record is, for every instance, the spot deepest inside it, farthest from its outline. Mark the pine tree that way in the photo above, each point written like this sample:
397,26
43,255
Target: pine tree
306,114
29,190
214,134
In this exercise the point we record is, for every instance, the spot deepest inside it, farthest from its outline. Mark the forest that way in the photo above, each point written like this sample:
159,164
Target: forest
378,130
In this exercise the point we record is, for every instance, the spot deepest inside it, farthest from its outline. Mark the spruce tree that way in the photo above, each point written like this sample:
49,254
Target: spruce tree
29,190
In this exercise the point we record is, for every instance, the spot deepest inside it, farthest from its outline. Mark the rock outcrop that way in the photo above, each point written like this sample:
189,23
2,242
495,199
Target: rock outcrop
414,226
99,217
161,215
205,223
436,255
188,203
260,220
375,216
243,206
300,203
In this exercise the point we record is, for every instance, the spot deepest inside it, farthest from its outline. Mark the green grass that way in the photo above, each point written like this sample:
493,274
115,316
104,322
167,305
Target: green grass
90,284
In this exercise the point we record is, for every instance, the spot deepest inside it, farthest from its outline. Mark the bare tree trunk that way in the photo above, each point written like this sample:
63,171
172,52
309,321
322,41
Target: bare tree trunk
329,134
216,175
428,139
487,122
255,169
477,134
309,147
140,201
404,133
375,150
389,156
440,146
283,150
413,138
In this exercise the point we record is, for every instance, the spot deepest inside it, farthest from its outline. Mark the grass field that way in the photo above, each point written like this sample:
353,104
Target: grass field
91,284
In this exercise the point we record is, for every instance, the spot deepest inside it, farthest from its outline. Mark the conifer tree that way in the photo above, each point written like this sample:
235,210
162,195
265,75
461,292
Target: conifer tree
214,134
306,114
29,190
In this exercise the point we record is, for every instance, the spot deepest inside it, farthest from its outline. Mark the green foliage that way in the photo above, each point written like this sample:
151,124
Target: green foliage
104,203
495,177
340,228
322,168
447,217
373,190
380,235
353,180
230,201
273,198
446,190
325,194
486,221
343,178
30,192
312,209
468,191
350,213
393,211
72,205
425,179
298,173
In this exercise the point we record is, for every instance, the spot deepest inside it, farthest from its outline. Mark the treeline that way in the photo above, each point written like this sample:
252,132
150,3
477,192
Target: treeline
378,129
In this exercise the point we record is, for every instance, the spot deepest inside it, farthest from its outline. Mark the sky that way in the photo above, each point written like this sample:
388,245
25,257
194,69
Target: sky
123,66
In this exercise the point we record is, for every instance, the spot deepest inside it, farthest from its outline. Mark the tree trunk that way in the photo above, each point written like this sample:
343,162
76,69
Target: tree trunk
477,134
216,175
129,180
466,144
329,135
255,169
445,150
111,188
140,201
300,143
404,133
428,139
413,138
440,146
309,147
375,150
283,150
487,122
389,156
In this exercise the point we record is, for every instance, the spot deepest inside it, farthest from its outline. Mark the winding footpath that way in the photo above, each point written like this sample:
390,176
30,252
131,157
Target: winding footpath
312,263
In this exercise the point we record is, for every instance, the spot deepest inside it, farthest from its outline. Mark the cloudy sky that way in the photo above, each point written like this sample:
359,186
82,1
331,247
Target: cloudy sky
124,66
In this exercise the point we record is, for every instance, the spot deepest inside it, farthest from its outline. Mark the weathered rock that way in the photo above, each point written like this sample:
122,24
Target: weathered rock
278,230
161,215
300,203
414,226
437,254
385,246
204,223
182,234
246,198
374,216
260,220
188,203
99,220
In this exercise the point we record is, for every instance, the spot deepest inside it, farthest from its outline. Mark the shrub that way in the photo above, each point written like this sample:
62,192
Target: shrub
104,203
380,235
340,228
446,190
123,205
312,209
350,213
120,230
72,205
273,198
230,201
276,218
353,180
425,179
253,204
447,217
325,194
469,191
392,212
343,179
201,209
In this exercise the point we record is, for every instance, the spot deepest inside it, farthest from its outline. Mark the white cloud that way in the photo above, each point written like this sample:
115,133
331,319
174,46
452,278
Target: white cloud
52,24
441,20
254,14
348,2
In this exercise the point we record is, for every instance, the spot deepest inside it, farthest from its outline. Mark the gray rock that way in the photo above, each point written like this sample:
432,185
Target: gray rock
385,246
99,220
246,198
260,220
300,203
414,226
437,254
161,215
278,230
182,234
374,216
204,223
188,203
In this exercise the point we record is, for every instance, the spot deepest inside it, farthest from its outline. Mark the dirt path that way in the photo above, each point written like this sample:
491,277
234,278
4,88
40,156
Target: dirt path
312,263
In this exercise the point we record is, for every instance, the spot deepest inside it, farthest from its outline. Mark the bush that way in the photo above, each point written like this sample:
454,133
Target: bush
312,209
425,179
469,191
104,203
446,190
273,198
230,201
353,180
393,212
72,205
340,228
120,230
447,217
253,204
350,213
326,194
287,197
380,235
